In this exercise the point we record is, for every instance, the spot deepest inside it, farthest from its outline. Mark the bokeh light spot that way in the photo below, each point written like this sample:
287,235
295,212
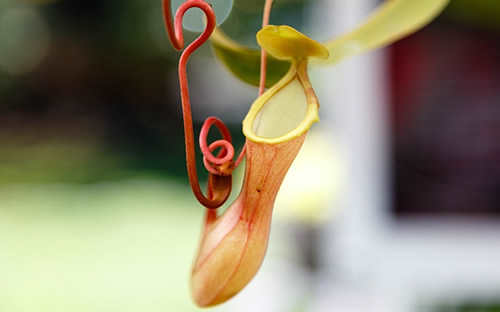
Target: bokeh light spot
194,18
24,40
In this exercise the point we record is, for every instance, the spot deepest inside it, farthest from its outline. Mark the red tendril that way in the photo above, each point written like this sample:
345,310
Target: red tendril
226,153
222,164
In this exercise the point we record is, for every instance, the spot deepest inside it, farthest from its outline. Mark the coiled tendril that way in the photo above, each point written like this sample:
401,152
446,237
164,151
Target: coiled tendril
221,166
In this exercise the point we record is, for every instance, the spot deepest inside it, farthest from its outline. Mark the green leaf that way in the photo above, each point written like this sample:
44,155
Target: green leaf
244,62
391,21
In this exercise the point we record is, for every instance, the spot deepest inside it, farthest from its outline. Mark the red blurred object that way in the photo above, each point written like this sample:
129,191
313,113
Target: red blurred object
446,119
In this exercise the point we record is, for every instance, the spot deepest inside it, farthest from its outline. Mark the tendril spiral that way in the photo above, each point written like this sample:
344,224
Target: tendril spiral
222,164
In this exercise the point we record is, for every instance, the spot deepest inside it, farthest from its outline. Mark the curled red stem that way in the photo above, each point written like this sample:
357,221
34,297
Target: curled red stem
222,164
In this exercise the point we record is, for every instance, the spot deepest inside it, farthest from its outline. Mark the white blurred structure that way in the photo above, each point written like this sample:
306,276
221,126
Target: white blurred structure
375,262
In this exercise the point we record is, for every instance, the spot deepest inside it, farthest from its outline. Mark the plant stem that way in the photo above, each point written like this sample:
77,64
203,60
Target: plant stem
263,55
263,67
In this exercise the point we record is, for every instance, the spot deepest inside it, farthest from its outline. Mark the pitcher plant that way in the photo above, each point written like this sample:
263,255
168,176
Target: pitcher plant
233,244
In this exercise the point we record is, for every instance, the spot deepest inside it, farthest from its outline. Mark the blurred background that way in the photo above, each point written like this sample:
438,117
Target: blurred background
401,214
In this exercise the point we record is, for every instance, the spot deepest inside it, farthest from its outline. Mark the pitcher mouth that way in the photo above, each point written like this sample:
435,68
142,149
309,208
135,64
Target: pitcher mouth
284,112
